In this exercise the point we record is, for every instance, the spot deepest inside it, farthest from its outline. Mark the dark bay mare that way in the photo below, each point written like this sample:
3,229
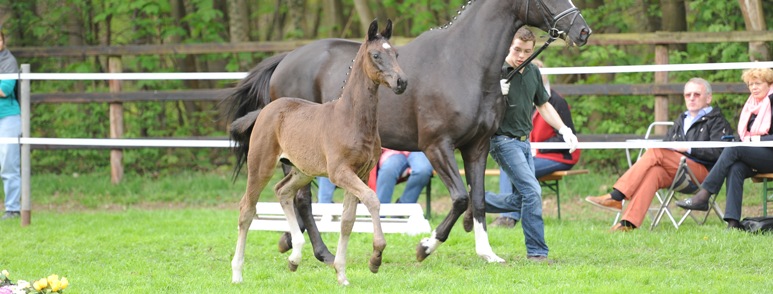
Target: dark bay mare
454,101
337,139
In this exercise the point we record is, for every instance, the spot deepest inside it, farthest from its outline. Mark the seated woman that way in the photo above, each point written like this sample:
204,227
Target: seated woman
741,162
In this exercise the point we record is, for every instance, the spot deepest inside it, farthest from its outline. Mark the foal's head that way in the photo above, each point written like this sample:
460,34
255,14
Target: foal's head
380,59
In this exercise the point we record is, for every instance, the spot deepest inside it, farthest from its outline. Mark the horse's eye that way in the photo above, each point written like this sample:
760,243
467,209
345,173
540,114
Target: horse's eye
376,56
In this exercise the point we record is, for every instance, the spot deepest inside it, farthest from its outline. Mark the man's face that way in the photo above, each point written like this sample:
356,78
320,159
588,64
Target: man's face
695,97
520,50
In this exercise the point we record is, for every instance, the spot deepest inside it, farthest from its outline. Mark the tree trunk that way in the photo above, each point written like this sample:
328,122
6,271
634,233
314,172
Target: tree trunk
754,18
238,28
333,12
674,19
365,16
294,29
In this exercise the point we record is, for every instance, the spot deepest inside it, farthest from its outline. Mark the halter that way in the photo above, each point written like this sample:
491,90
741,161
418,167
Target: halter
553,32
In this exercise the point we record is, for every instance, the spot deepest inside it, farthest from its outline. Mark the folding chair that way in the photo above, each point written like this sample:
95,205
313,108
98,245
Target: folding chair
658,195
685,182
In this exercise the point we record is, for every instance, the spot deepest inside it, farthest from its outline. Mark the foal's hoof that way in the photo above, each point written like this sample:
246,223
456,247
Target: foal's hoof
467,221
292,266
421,252
375,263
285,242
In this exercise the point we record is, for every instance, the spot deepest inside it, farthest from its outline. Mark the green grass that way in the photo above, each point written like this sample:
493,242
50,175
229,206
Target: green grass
176,234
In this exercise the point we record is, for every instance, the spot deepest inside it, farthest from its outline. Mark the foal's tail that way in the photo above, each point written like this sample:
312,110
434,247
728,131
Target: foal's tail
250,95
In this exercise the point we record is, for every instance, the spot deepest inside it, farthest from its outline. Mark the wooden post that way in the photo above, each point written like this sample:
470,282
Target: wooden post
116,121
661,77
26,202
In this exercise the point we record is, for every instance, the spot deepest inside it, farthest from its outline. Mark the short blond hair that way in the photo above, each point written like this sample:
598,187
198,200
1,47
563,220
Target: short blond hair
764,74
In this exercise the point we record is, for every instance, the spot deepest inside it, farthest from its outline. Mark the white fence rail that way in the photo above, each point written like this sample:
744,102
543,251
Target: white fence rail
25,76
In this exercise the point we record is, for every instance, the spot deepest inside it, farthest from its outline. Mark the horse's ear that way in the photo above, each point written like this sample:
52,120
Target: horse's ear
373,30
387,32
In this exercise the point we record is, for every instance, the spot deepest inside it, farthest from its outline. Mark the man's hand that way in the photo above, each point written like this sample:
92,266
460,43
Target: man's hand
505,86
569,137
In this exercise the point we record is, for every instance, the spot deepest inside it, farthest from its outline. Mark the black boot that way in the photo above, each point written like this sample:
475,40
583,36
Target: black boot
699,202
734,224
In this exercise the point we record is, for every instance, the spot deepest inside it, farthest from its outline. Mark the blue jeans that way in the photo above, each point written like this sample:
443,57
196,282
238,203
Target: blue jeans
542,167
10,162
326,189
391,170
515,159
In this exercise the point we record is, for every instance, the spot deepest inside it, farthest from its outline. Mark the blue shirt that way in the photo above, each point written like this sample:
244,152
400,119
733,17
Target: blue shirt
688,121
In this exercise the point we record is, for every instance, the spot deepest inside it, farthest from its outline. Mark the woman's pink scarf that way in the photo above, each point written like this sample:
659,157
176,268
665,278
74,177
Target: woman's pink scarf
761,124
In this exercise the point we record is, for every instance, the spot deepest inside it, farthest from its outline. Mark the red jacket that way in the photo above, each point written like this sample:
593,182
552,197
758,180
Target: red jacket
543,132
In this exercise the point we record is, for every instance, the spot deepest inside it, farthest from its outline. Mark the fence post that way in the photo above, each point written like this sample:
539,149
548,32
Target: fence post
116,121
24,91
661,77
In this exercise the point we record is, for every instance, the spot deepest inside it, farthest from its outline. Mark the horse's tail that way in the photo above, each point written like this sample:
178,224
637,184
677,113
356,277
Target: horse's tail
241,130
250,95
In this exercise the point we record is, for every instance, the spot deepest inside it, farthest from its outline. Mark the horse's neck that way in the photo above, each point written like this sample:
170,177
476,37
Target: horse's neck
359,99
478,40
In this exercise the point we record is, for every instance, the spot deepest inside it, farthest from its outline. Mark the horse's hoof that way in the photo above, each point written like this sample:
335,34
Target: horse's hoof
293,266
493,258
236,280
325,257
421,252
285,242
467,221
374,264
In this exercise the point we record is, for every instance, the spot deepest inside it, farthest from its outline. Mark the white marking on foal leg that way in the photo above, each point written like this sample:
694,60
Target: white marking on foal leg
432,243
482,246
298,240
237,264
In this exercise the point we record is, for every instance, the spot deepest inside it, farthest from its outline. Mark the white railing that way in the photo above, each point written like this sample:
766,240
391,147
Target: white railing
25,140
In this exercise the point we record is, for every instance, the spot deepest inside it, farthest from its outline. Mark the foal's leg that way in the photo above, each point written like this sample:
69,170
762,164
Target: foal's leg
257,179
285,192
347,222
355,187
306,221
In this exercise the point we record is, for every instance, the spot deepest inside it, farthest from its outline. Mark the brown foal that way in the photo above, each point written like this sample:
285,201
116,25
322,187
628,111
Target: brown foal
338,139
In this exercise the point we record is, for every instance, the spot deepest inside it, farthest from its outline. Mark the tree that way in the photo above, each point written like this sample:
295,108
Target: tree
333,18
754,18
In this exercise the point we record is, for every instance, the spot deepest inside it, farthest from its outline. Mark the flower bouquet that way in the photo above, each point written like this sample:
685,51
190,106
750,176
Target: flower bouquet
52,284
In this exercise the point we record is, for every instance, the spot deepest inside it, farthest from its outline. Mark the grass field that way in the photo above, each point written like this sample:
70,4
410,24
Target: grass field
176,234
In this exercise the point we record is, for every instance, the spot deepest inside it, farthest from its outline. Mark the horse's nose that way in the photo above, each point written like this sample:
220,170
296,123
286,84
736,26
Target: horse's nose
401,85
585,34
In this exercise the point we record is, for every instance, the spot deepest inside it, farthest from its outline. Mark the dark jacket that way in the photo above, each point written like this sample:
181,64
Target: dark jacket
711,127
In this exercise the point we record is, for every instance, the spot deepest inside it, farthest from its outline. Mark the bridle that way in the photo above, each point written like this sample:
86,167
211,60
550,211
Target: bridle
553,32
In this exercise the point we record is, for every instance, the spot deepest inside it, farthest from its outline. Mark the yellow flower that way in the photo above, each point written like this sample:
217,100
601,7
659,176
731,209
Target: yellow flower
55,285
5,273
65,283
53,278
37,286
43,282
